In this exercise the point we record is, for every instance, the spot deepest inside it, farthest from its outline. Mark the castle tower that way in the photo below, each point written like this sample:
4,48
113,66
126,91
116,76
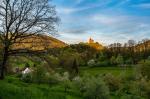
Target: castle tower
91,40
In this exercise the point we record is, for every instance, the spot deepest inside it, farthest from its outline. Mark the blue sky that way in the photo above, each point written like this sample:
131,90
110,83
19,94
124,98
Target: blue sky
106,21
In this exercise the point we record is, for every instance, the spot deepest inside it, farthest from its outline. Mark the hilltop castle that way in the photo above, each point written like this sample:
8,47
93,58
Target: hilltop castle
91,40
94,44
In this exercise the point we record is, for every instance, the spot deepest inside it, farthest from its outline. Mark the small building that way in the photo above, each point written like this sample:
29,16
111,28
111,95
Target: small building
94,44
91,40
26,70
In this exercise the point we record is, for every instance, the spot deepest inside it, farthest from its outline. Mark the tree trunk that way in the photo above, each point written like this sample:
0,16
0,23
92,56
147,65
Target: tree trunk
3,64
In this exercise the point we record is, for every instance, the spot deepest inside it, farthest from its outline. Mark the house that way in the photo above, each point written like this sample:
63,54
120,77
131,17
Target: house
26,70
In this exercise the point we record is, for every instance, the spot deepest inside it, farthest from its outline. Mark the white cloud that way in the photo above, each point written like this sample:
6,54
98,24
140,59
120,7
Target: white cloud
123,22
107,26
105,19
63,10
70,10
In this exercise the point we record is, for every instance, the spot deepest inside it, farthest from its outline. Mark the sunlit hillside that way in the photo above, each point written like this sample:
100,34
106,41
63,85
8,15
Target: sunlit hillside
40,42
94,44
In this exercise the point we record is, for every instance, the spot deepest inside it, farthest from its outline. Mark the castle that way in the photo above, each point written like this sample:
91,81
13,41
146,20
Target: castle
91,40
94,44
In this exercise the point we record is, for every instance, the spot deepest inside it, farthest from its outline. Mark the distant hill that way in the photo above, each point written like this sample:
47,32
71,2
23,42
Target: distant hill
143,46
39,42
94,44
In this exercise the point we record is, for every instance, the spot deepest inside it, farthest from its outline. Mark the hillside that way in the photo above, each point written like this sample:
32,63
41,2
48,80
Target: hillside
96,45
143,46
38,42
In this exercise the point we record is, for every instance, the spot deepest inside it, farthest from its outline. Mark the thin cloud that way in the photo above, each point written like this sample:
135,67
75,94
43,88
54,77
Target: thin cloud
76,31
122,23
66,10
70,10
107,22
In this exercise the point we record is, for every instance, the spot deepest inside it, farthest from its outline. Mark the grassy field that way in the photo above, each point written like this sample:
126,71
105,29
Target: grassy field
104,70
13,88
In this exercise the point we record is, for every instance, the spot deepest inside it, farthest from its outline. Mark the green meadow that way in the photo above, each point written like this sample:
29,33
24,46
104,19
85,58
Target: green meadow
13,88
104,70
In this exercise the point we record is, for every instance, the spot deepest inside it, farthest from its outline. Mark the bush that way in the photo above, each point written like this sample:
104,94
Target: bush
79,84
141,88
95,88
91,87
148,58
113,82
129,61
103,63
124,77
113,60
91,62
52,61
27,78
67,85
119,60
134,89
53,78
144,69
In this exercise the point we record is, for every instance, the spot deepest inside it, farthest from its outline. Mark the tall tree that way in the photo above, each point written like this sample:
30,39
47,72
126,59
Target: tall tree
131,47
21,19
145,47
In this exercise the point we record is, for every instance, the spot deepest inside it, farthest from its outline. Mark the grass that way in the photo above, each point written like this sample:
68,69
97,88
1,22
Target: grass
104,70
13,88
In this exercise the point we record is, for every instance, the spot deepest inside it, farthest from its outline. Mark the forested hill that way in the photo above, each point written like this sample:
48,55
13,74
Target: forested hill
39,42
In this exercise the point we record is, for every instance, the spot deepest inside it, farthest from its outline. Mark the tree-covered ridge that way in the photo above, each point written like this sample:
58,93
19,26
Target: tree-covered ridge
39,42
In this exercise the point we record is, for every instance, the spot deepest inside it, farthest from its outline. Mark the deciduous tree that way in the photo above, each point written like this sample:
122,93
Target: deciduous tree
20,19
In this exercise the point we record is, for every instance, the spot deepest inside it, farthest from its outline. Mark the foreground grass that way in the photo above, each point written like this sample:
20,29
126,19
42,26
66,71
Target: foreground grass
13,88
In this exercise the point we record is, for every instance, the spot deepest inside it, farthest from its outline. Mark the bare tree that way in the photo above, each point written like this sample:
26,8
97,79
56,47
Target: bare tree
21,19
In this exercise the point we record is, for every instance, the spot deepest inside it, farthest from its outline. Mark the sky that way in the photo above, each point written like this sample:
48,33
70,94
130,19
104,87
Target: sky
106,21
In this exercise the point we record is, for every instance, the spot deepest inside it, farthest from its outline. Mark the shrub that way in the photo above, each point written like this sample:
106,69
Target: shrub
79,84
113,82
27,78
67,85
91,87
103,63
134,89
53,78
144,69
124,77
129,61
95,88
69,61
39,75
113,60
119,60
142,88
124,90
148,58
53,61
91,62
